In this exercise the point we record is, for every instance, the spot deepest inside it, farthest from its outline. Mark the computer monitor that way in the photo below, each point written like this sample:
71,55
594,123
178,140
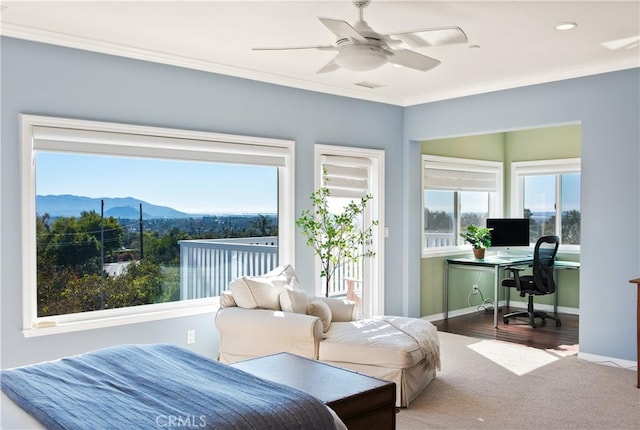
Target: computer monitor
509,234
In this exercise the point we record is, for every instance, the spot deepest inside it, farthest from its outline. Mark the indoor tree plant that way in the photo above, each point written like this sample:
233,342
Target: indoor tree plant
335,237
479,238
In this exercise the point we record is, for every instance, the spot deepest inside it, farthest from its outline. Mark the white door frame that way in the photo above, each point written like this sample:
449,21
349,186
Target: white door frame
373,301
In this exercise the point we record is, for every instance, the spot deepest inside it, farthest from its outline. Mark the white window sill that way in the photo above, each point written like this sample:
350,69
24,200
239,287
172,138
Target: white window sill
116,317
569,249
448,252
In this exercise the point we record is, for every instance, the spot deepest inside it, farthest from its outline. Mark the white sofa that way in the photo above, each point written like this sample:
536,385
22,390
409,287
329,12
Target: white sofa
271,314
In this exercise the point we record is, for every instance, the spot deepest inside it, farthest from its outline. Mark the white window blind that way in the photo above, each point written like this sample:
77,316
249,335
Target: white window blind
346,176
144,145
451,176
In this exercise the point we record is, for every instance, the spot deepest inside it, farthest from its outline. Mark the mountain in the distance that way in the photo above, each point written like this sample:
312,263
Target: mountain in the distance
127,212
118,207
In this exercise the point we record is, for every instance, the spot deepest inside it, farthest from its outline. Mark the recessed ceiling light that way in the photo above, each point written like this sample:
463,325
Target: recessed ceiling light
566,26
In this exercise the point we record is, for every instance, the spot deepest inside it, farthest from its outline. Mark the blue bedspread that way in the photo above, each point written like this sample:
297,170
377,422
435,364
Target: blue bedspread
157,386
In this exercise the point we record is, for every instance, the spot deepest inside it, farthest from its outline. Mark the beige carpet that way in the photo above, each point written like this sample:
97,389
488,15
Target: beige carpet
487,384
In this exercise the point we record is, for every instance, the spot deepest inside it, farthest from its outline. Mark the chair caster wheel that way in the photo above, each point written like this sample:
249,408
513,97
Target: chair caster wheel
558,323
505,320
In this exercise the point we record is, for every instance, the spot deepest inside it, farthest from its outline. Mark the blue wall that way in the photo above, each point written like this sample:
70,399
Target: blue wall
608,108
48,80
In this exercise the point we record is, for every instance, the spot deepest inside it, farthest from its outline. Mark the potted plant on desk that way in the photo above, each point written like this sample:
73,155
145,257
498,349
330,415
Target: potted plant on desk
479,238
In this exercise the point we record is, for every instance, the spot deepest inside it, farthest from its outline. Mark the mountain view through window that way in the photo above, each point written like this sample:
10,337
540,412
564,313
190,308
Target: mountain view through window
115,232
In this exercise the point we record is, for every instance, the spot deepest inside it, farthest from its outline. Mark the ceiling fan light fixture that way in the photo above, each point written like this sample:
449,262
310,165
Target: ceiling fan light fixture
360,58
361,49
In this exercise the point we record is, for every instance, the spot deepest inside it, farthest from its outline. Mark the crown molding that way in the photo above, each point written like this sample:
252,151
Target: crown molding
86,44
526,81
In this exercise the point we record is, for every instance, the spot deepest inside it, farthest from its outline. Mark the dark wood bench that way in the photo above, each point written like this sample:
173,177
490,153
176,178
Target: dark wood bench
361,402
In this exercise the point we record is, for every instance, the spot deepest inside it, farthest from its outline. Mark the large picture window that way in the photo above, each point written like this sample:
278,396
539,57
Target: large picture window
548,193
135,220
456,193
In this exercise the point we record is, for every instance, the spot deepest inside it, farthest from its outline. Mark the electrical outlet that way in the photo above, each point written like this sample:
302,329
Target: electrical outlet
191,337
474,289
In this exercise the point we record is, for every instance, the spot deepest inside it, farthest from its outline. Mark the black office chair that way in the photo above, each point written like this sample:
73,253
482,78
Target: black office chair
540,282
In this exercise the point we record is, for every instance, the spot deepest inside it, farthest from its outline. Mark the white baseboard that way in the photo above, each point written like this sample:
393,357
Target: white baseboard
459,312
434,317
501,303
608,361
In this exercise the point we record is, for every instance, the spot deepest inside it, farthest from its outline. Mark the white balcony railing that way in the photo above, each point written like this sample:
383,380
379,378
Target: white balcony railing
337,285
207,266
439,240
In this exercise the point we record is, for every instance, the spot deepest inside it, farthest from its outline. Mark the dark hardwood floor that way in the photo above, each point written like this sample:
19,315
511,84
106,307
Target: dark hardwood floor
547,336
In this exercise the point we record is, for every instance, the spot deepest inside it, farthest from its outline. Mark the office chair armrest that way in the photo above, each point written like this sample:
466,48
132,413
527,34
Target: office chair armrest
515,270
516,277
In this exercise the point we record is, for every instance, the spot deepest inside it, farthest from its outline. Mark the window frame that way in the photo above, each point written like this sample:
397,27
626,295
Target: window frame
375,301
463,164
170,143
560,166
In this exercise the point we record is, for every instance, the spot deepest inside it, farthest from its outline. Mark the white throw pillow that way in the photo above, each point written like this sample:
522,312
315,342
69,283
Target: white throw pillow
226,300
285,270
294,299
258,292
320,309
342,310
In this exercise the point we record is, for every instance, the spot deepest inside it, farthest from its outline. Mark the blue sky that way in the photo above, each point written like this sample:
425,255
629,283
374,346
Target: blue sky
209,188
188,186
540,192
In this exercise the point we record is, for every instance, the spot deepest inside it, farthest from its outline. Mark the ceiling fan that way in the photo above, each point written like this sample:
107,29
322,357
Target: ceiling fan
360,48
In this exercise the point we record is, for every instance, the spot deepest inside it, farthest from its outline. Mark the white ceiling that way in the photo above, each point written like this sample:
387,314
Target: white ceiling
518,44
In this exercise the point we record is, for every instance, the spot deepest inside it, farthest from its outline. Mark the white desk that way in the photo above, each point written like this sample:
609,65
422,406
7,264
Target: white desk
493,264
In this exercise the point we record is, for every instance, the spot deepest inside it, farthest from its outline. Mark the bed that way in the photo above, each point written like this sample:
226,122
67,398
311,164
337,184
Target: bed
152,386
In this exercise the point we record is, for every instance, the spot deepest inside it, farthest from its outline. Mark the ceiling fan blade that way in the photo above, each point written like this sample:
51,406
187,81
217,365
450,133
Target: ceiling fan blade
432,37
342,29
318,47
413,60
331,66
